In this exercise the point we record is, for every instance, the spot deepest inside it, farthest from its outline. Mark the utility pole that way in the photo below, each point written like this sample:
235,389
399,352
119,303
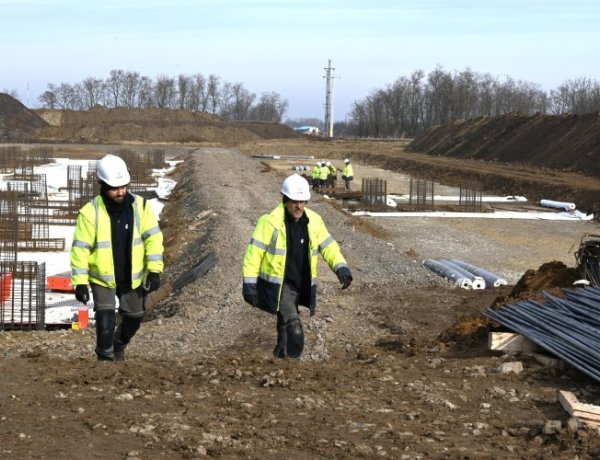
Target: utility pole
329,99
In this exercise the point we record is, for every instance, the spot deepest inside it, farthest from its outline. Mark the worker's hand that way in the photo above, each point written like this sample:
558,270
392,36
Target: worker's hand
152,282
82,293
251,299
345,276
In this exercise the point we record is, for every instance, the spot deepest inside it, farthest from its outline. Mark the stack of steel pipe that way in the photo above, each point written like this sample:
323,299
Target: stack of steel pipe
568,327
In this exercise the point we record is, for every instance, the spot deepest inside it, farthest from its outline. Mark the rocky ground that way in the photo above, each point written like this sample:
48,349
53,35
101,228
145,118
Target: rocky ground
396,366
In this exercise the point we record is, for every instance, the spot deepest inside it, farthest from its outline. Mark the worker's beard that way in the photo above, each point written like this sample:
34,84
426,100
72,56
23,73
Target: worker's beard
112,203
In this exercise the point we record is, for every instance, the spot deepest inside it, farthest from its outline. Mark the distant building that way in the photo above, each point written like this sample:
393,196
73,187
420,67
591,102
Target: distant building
308,130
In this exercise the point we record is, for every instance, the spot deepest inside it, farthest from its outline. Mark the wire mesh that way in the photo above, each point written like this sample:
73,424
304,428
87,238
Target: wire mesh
588,261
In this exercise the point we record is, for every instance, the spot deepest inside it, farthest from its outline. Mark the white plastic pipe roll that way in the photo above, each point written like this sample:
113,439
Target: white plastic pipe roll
477,282
558,205
451,275
490,278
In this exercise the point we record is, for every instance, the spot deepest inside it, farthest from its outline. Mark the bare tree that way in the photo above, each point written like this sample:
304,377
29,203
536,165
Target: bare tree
198,100
581,95
270,107
183,90
67,96
213,92
130,89
438,96
114,86
93,90
164,92
48,98
236,101
146,93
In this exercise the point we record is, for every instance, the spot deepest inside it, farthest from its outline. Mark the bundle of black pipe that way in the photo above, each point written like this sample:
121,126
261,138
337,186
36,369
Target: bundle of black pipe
568,327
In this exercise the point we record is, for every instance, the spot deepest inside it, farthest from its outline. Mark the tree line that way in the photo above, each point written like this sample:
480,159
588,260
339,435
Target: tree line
197,93
412,104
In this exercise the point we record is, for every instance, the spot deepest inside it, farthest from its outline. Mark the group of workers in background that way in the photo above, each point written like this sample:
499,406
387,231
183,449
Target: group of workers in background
324,174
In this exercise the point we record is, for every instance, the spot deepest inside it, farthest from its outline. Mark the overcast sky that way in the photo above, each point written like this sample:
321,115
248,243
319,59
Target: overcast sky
284,46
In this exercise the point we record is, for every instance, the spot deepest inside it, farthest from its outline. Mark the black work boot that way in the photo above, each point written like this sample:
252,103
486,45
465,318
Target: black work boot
105,329
126,328
295,338
119,355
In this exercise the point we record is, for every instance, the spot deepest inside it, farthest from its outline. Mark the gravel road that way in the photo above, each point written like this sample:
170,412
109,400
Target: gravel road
379,376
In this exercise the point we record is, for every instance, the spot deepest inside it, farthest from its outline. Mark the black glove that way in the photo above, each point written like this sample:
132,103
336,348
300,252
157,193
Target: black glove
251,299
152,282
82,293
345,276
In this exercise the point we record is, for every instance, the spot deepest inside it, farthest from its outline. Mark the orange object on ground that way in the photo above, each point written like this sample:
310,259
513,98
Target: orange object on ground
60,282
82,317
5,286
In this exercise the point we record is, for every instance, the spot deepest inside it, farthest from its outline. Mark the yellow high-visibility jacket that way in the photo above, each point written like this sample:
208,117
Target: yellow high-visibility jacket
91,252
315,172
264,261
323,172
348,172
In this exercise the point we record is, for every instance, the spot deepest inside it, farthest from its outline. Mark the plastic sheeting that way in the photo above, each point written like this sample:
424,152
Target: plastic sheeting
573,216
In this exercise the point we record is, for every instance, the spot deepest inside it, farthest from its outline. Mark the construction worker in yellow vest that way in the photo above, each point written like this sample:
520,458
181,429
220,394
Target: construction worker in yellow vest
347,173
315,176
323,174
280,264
332,178
118,250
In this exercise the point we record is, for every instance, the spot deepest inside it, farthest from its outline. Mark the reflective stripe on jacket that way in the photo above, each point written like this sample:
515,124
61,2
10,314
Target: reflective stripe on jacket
264,261
91,252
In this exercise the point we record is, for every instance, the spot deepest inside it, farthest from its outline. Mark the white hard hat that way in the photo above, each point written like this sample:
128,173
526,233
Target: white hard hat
346,160
295,187
329,163
113,171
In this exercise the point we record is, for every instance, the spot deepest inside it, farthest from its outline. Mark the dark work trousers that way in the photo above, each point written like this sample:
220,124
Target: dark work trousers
290,336
113,335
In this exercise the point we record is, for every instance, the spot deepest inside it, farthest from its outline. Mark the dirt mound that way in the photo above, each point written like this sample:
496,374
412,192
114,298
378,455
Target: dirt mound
567,142
552,277
16,120
102,125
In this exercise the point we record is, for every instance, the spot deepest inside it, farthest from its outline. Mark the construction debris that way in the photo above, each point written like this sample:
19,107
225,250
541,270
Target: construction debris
586,413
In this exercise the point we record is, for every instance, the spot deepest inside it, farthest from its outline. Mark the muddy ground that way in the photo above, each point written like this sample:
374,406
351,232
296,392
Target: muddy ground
397,366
